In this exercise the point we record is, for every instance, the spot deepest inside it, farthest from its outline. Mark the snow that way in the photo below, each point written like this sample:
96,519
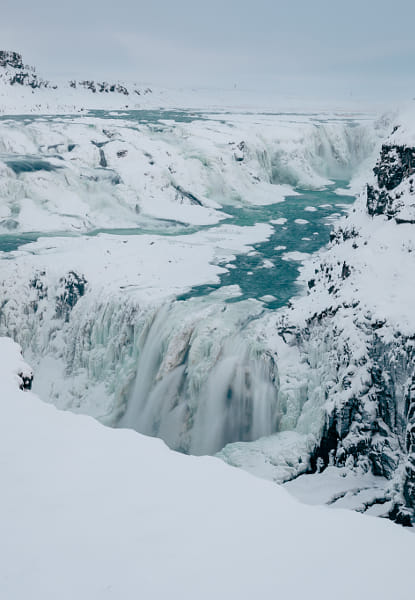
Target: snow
295,255
181,171
88,512
153,267
268,298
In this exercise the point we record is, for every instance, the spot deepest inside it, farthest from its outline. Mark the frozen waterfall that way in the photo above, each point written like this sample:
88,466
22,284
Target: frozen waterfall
199,394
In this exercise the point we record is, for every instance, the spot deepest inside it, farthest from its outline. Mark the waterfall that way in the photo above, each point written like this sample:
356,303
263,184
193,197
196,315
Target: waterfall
199,392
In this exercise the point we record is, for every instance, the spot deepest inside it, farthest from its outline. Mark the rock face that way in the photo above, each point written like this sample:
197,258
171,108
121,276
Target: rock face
73,287
359,319
16,72
396,164
11,59
345,351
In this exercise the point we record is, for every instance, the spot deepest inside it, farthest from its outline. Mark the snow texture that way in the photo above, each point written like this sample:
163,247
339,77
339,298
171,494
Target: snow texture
89,512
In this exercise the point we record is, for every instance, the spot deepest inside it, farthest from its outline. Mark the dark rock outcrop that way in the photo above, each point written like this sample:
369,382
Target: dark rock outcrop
395,165
11,59
17,73
73,288
371,424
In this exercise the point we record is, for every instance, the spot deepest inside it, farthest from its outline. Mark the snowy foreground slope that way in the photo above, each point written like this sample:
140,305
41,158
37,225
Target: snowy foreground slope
89,512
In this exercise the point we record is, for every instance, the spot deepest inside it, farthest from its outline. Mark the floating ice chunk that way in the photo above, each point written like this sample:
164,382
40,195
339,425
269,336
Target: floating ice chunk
268,298
280,221
267,264
310,209
277,248
331,218
306,239
301,221
295,255
325,206
344,192
227,291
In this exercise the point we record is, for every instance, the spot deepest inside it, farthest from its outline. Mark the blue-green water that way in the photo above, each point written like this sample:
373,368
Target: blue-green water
279,281
278,277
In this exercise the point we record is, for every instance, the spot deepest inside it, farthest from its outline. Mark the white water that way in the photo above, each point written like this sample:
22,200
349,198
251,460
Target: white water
198,389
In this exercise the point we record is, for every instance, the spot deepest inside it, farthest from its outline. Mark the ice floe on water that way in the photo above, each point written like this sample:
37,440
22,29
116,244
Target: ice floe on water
280,221
295,256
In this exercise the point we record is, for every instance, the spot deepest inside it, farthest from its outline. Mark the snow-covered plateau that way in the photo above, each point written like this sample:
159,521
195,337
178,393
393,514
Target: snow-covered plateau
208,278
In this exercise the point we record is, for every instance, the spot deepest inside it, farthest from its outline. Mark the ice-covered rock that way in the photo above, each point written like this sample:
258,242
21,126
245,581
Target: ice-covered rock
14,72
353,337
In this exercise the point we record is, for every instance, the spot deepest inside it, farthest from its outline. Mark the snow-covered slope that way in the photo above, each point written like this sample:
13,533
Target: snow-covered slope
88,512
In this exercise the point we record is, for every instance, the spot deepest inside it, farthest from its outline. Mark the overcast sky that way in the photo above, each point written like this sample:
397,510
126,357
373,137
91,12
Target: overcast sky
329,47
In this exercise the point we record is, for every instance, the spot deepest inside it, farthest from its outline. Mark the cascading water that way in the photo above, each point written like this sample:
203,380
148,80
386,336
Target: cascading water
198,389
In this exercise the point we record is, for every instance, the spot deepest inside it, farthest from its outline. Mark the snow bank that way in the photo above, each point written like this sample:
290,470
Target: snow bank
90,513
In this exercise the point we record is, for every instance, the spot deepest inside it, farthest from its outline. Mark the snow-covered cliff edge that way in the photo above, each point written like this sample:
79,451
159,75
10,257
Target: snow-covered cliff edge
347,347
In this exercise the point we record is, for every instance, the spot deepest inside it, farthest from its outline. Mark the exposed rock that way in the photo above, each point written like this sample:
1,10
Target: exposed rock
16,72
73,288
183,194
11,59
395,166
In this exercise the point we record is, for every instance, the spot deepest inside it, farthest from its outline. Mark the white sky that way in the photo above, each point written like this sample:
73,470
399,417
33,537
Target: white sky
327,48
